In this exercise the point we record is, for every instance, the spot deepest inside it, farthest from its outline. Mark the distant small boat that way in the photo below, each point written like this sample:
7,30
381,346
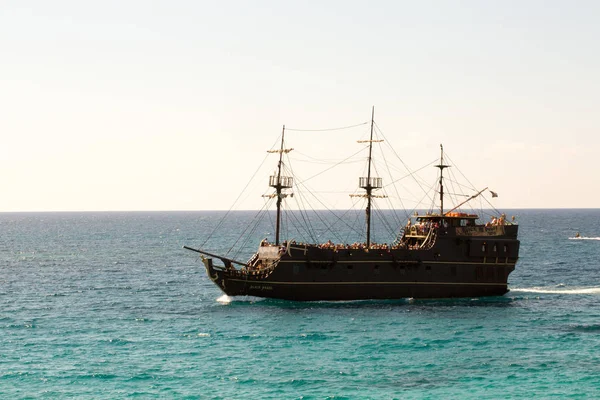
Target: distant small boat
579,237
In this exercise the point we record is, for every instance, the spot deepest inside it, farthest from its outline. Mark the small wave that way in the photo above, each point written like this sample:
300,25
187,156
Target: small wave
584,238
592,328
117,341
313,336
224,299
585,290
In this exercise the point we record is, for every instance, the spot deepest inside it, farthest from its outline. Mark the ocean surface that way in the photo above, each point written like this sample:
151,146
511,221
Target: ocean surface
109,305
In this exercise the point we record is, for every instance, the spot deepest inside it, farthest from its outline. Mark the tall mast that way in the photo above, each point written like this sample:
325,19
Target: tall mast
369,187
441,166
278,188
280,182
369,183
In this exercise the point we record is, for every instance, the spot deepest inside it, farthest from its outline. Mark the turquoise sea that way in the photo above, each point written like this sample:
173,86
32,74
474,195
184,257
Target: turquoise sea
109,306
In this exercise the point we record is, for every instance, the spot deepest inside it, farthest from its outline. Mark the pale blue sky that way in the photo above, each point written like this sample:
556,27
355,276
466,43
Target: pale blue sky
154,105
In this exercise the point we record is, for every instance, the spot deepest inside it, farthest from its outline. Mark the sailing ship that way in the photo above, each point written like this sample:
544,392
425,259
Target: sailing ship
438,254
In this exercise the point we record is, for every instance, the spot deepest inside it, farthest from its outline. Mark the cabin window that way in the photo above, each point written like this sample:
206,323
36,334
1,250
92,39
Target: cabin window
484,247
495,248
506,250
376,270
350,269
428,269
296,269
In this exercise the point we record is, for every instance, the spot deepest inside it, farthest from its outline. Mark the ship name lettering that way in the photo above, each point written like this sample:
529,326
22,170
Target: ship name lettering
261,287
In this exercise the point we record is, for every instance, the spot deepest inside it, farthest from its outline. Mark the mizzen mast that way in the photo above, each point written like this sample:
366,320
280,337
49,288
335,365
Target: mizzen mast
441,166
280,182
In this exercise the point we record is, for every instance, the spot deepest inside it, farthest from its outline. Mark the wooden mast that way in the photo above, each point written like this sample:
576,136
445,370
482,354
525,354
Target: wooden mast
369,187
280,182
368,182
441,166
278,188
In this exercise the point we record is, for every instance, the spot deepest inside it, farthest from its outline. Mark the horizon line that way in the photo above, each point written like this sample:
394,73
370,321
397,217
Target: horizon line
254,210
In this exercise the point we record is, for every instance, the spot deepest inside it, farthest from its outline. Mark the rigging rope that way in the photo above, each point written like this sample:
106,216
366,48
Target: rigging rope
321,160
395,188
323,204
253,224
329,129
240,195
333,166
473,188
302,207
384,222
360,233
405,166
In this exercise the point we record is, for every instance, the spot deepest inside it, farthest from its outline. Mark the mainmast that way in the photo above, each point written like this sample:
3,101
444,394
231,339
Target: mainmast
441,166
280,182
369,183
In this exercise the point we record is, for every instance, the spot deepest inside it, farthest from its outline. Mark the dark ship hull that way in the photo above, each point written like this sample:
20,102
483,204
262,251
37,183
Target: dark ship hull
445,254
457,264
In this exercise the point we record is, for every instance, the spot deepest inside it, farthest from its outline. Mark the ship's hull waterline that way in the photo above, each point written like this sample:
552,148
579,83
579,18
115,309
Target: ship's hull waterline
336,291
310,274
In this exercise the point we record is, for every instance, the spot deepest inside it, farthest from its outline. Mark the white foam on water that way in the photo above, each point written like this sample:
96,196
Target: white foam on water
584,290
224,299
584,238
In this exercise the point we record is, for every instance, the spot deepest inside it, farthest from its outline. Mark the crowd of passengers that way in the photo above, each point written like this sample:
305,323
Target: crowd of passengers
498,221
354,246
421,228
329,245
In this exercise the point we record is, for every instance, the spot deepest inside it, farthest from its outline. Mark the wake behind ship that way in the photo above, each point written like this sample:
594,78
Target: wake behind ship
438,254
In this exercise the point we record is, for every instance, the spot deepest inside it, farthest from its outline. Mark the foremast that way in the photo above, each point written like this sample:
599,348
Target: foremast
280,182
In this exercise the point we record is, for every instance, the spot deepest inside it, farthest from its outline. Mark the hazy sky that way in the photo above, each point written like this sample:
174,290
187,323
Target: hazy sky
170,105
